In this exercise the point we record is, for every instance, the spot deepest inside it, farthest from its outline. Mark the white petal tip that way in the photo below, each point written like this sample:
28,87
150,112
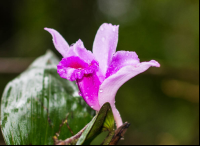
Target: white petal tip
47,29
50,30
155,63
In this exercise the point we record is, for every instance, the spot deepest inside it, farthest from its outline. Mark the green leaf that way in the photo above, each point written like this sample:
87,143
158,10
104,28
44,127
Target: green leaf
103,121
38,104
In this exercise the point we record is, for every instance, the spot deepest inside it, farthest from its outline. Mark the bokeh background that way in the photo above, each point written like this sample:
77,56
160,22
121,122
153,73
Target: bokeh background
161,104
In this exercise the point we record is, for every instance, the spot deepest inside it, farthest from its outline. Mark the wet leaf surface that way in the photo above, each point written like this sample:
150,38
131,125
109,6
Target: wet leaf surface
35,104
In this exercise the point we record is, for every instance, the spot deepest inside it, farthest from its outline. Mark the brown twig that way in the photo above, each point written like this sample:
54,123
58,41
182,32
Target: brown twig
72,140
64,122
69,128
48,117
119,133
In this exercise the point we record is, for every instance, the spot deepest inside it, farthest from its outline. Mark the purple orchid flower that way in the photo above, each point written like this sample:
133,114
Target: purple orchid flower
101,74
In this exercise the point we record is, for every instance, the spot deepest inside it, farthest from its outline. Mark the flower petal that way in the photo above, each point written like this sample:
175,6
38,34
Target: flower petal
105,44
89,87
79,50
110,85
73,68
121,59
59,42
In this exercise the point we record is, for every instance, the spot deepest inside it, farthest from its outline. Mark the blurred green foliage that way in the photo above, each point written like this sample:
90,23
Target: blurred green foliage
162,104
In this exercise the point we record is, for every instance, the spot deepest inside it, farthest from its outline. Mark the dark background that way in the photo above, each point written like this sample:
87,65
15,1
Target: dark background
161,104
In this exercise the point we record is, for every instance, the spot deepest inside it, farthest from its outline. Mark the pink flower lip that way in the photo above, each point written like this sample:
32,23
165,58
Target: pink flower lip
73,68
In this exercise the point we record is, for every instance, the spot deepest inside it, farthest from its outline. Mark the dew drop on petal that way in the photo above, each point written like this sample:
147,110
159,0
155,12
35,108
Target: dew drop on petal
114,29
92,106
137,65
100,91
80,93
118,113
